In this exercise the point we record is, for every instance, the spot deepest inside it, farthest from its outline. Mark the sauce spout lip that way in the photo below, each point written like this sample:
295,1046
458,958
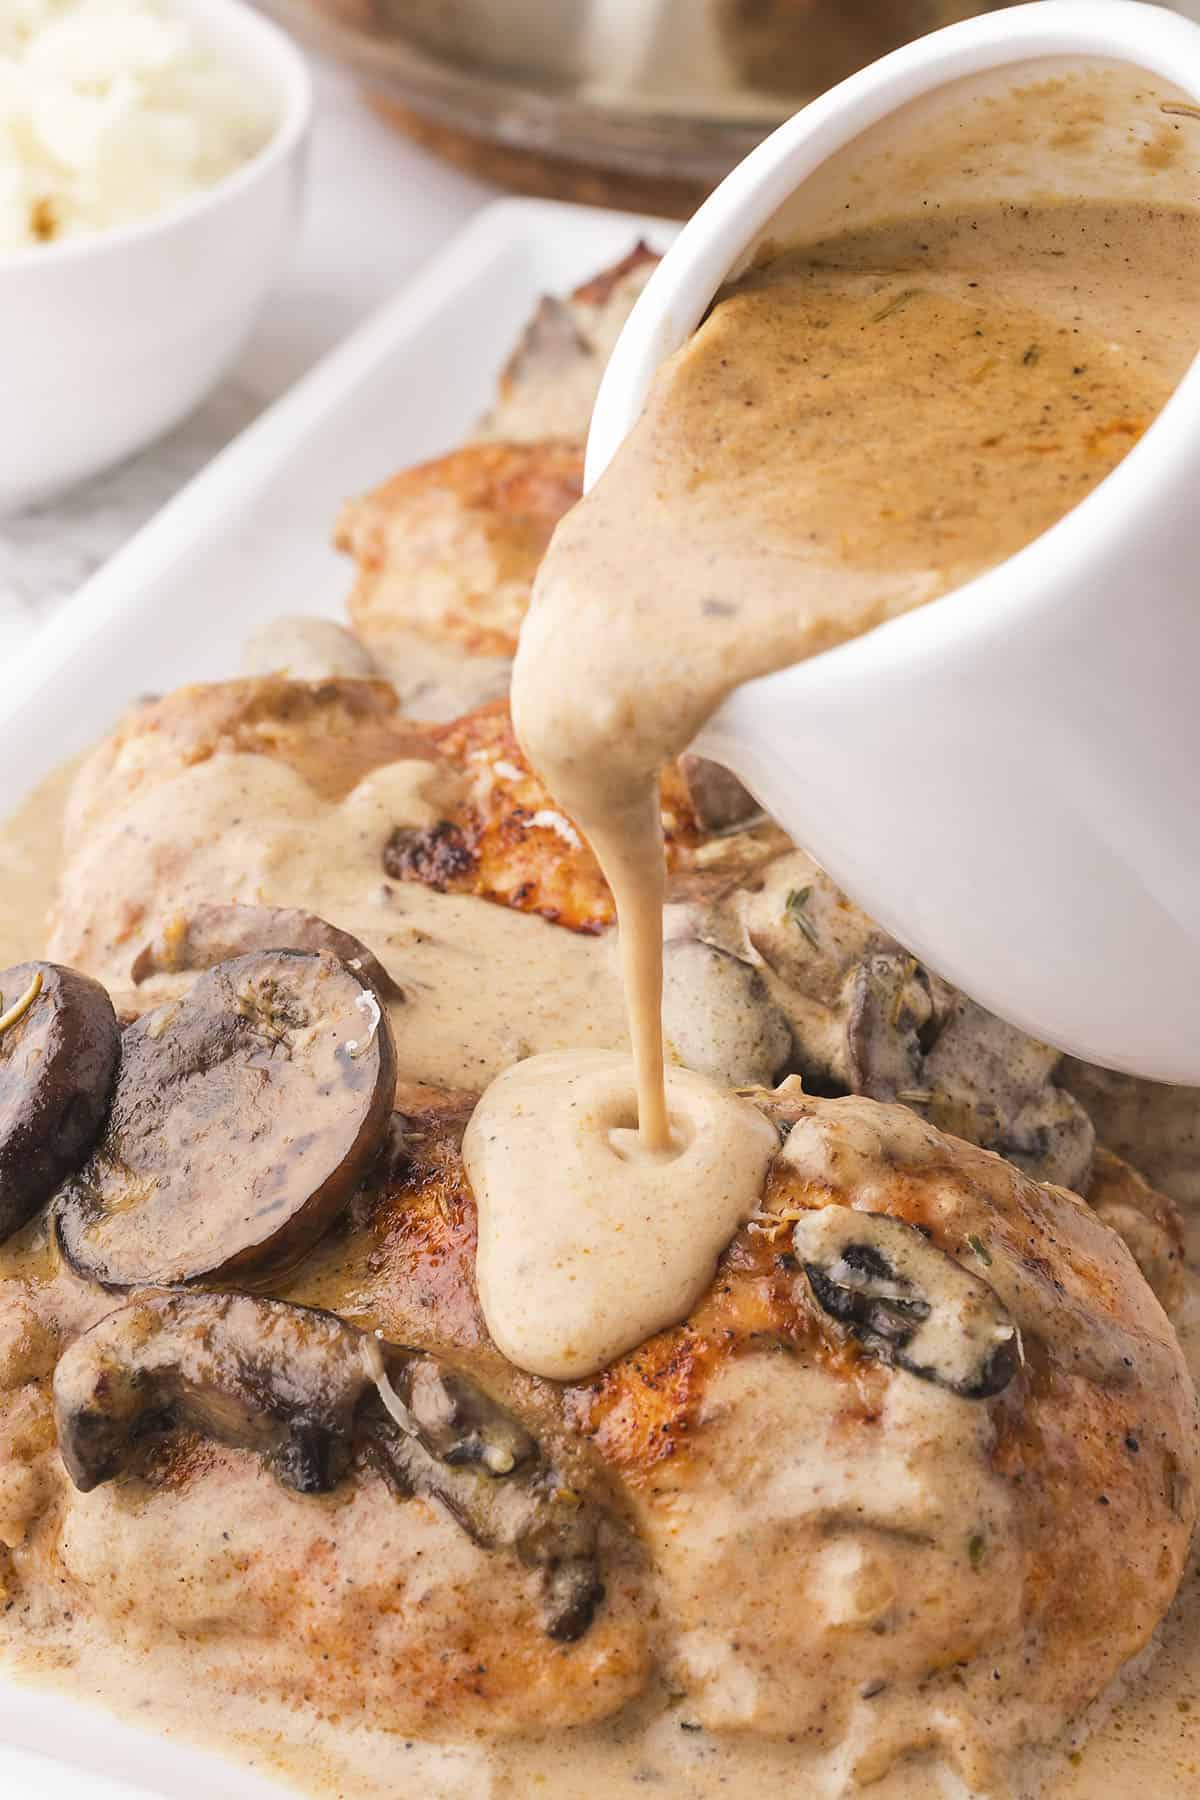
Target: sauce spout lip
724,233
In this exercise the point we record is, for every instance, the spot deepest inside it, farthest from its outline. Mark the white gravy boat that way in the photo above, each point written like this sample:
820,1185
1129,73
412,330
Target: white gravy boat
1008,778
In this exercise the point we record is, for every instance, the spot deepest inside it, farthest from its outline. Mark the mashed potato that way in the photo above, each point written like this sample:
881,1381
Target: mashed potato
110,110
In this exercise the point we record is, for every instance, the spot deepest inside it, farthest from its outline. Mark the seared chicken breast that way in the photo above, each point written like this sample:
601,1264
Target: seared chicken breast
450,548
924,1393
322,797
548,387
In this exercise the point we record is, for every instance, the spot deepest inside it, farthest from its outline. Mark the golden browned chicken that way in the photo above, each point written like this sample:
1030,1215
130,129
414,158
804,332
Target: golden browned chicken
507,841
855,1503
910,1519
440,850
852,1507
498,834
450,548
321,796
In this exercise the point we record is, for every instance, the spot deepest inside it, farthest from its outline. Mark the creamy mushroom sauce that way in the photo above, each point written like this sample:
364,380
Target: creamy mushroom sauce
855,430
1143,1738
1152,1742
253,829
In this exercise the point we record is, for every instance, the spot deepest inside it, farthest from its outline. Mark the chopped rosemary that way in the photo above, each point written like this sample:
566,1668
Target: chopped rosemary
976,1547
895,303
980,1248
915,1096
20,1007
1032,355
797,900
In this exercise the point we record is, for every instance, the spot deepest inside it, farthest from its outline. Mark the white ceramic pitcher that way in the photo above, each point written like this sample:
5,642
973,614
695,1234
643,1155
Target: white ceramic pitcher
1008,778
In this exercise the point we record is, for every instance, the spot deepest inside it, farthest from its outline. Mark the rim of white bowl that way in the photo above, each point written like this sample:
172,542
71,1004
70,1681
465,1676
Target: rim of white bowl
294,117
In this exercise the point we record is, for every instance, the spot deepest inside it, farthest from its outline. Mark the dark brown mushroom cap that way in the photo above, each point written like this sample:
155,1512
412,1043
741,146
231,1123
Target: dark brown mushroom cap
244,1117
906,1301
279,1380
309,1394
58,1060
211,933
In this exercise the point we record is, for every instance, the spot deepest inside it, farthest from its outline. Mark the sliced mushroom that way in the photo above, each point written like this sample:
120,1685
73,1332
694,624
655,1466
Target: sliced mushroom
310,1394
906,1301
59,1045
212,934
1051,1138
788,920
995,1086
912,1039
244,1117
891,1005
1156,1127
527,1510
437,855
243,1371
868,1018
718,798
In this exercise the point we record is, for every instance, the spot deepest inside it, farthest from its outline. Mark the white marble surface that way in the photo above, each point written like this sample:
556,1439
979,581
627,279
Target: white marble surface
376,208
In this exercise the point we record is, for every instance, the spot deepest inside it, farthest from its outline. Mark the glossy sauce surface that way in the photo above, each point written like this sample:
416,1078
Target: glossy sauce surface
1153,1740
855,430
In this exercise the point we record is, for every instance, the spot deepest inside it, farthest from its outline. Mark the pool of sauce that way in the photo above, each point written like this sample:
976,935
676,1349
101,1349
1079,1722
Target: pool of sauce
1144,1737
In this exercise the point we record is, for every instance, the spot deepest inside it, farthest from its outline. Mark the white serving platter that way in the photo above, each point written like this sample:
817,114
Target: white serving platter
246,540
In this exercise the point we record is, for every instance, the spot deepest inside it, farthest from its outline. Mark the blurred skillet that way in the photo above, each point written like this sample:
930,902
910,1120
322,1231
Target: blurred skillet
649,102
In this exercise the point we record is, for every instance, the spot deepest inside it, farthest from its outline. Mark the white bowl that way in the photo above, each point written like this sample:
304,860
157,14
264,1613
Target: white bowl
107,341
1006,779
